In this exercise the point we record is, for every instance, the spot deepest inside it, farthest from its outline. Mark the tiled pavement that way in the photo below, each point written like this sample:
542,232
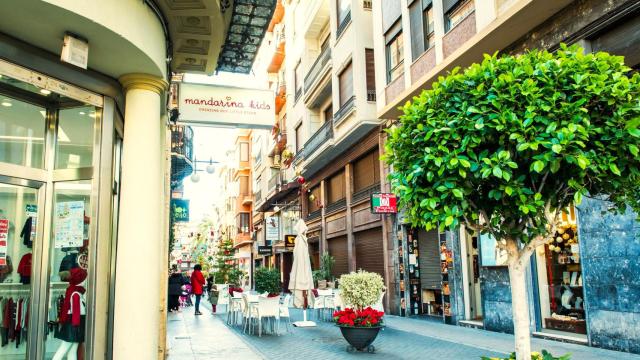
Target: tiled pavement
208,337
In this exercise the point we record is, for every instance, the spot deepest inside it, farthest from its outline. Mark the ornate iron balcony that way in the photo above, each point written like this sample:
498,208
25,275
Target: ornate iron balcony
345,109
343,24
324,134
316,69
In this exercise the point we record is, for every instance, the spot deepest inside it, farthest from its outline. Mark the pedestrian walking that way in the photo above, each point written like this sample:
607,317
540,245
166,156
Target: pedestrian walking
176,281
197,283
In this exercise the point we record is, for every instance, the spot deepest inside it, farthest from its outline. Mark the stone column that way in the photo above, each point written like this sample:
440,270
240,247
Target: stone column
137,289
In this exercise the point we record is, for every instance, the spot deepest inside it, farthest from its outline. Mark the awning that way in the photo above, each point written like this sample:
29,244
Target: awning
242,255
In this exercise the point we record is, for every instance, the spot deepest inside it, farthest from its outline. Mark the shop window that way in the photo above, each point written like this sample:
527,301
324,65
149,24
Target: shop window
18,222
366,171
394,52
68,254
560,279
74,146
336,189
455,11
22,128
345,84
422,27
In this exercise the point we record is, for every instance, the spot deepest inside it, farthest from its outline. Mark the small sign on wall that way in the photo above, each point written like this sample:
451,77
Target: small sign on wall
265,250
289,241
384,203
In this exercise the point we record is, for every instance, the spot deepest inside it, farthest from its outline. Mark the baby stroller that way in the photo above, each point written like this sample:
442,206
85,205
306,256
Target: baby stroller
185,297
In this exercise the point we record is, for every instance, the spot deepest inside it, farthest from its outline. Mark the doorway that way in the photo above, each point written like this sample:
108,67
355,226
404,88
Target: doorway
472,277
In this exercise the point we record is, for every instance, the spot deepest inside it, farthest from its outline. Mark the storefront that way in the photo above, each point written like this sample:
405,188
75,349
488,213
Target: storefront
59,174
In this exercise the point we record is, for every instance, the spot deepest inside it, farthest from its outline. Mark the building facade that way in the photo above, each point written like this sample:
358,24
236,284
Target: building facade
456,276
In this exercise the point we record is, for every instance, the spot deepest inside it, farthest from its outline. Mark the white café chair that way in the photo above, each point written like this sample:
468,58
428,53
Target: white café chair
268,308
284,310
235,308
248,310
379,305
326,296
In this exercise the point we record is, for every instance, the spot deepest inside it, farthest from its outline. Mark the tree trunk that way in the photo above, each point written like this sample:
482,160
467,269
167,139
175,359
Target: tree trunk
520,307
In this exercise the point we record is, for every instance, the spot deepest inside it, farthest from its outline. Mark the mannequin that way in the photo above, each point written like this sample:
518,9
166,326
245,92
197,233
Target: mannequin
72,316
565,299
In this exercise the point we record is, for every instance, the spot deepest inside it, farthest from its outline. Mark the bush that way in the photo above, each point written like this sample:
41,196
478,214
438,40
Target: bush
361,289
544,355
267,280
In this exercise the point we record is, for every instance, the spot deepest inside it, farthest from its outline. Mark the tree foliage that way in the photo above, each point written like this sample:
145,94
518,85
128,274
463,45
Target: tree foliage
516,138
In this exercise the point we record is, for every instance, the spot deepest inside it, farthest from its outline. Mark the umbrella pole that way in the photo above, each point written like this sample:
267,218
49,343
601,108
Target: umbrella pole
304,322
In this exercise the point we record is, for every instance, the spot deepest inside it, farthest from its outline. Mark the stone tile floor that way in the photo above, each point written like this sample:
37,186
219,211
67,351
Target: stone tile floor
208,337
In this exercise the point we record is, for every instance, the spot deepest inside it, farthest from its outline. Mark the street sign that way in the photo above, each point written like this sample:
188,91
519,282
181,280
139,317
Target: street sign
265,250
289,241
383,203
180,210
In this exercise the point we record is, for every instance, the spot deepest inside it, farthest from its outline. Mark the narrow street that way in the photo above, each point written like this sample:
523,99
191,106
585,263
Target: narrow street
208,337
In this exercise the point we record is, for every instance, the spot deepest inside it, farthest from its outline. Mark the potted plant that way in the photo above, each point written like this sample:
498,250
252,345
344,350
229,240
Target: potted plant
268,281
359,323
327,261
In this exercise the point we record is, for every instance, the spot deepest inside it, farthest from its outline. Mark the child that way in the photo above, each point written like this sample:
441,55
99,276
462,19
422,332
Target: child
213,297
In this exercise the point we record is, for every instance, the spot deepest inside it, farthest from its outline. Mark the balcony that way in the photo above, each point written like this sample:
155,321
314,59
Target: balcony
365,194
336,206
278,49
321,66
323,135
281,95
274,181
247,199
314,215
181,153
257,196
345,110
315,18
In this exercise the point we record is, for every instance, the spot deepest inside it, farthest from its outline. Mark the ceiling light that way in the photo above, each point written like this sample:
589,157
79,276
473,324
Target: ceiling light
211,169
6,103
93,114
276,208
82,113
45,91
195,177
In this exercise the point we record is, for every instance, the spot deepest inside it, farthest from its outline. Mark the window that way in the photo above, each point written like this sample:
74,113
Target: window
344,10
371,74
299,138
243,223
298,80
314,205
325,44
336,188
345,83
328,113
366,171
244,185
422,29
455,11
244,151
395,49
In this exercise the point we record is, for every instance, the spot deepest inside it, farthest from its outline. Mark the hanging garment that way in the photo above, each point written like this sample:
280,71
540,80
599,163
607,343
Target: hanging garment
19,314
4,330
25,234
24,269
5,270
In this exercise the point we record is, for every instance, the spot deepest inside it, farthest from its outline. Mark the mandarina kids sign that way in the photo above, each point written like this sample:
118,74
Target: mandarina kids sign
225,106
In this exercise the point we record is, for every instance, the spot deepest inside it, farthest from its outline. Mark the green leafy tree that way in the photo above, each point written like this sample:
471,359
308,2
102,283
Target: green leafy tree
506,145
223,261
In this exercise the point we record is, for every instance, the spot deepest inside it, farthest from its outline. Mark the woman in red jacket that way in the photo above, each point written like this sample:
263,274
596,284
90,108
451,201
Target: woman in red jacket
197,283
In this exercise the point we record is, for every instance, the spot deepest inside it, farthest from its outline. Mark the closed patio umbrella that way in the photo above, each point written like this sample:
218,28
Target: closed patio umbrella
301,278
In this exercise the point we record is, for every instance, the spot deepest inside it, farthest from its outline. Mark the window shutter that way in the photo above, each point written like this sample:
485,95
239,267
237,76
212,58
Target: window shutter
371,69
346,84
449,4
417,32
429,260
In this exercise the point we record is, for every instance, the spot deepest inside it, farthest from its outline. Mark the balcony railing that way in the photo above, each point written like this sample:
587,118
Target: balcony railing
344,110
371,95
314,214
181,153
258,196
324,134
316,69
273,181
343,25
365,193
336,206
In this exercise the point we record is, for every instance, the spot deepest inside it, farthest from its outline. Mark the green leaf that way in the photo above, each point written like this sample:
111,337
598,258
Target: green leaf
508,190
523,146
556,148
453,161
614,169
497,172
457,193
577,197
634,132
506,175
465,163
537,166
448,221
633,149
583,162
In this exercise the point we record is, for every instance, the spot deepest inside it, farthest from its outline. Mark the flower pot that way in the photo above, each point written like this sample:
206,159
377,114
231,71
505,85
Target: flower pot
360,338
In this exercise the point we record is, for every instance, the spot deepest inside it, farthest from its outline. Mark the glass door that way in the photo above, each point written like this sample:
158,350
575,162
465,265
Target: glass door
21,209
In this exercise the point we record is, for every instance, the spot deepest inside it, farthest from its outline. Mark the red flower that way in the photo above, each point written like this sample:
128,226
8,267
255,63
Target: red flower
360,318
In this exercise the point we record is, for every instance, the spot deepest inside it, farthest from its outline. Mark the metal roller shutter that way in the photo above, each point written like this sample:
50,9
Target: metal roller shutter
338,249
429,258
369,250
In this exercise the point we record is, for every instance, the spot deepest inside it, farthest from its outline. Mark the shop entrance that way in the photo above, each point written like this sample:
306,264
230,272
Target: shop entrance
472,276
560,281
51,146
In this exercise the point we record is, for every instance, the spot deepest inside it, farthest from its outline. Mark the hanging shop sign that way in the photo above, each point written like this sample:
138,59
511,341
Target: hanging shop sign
4,237
180,210
69,224
265,250
289,240
272,226
225,106
383,203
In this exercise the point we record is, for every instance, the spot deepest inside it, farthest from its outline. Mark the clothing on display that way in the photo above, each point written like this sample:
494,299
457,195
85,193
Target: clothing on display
72,314
24,269
25,234
14,318
6,270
